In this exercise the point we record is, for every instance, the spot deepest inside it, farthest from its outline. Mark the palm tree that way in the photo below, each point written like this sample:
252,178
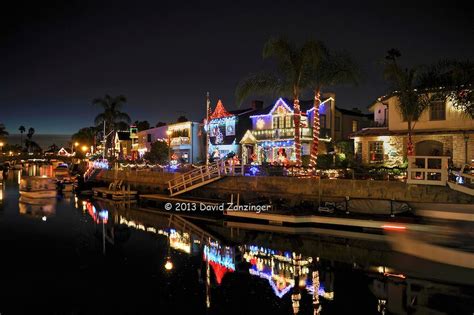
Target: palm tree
456,78
22,129
326,69
412,102
28,142
85,136
112,116
289,79
3,131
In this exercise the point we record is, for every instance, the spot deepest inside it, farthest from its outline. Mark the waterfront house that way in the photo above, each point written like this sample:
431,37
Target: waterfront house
126,144
441,130
148,136
184,141
271,135
227,127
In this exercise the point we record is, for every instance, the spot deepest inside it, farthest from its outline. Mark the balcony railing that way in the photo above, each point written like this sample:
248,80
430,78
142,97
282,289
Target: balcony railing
180,140
282,133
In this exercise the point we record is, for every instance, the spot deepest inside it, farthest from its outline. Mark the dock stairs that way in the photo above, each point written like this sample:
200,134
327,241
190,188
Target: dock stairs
201,176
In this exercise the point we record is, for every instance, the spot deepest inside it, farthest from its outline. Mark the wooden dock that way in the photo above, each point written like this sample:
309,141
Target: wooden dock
119,194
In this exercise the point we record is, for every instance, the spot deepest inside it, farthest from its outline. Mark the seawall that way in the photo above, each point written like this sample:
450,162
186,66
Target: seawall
294,190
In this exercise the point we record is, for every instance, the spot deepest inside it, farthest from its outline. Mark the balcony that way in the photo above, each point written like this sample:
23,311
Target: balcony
180,141
282,133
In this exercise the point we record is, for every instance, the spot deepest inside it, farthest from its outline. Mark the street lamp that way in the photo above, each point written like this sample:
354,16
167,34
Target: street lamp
84,148
1,147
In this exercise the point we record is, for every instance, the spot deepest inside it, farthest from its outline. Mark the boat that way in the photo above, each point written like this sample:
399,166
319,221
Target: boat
61,171
413,244
38,187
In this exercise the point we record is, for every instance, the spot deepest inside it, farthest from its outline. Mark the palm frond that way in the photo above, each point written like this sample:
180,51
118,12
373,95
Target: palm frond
99,119
261,83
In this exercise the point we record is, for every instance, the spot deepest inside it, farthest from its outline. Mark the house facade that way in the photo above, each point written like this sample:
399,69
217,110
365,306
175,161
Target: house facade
271,137
184,142
126,144
441,131
227,127
147,137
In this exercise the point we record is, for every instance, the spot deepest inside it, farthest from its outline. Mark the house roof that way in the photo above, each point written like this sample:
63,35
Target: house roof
219,111
353,112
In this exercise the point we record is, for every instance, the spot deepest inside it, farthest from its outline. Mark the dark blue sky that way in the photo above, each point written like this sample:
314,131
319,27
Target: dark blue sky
56,57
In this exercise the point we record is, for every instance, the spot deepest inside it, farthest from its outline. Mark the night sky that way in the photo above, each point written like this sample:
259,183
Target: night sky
56,57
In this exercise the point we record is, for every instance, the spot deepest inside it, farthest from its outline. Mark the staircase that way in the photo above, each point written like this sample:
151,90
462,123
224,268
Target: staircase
198,177
203,175
463,180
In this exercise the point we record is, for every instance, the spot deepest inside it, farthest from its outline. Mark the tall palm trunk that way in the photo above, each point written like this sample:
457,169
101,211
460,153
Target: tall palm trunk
21,139
410,140
297,121
315,146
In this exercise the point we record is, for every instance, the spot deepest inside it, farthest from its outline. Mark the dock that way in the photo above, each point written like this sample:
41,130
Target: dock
118,194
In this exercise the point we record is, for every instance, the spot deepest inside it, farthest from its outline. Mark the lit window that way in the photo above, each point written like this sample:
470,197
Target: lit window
376,151
355,125
438,110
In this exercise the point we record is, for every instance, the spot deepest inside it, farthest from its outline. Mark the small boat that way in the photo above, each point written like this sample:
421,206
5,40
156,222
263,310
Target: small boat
38,187
61,171
414,245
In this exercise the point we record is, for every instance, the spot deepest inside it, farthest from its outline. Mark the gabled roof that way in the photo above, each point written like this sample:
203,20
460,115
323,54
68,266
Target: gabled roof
219,111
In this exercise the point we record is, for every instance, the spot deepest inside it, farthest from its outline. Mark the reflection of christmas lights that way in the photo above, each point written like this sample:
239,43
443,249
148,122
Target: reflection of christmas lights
221,259
279,293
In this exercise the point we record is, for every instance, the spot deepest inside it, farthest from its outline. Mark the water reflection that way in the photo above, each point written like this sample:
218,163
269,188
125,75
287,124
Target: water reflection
37,207
221,270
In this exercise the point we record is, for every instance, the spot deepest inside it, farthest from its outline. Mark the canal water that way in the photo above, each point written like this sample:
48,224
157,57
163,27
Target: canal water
76,256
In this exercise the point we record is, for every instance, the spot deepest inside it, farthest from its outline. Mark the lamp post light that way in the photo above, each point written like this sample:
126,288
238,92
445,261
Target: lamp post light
1,147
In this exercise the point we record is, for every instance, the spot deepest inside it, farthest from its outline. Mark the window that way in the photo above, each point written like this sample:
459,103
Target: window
376,151
438,110
276,122
288,121
337,123
355,125
148,137
322,121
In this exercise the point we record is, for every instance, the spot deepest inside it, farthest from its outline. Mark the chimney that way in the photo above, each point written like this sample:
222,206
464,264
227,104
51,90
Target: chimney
257,104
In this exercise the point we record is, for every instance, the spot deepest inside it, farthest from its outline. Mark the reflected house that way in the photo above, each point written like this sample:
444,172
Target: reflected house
147,137
441,131
184,141
227,127
284,271
220,258
126,144
37,208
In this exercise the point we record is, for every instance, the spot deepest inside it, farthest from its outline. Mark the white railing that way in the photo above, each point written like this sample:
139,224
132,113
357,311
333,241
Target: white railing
463,180
197,176
427,170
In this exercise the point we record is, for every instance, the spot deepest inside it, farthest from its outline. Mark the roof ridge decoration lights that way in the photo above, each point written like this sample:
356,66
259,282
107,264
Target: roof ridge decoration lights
220,111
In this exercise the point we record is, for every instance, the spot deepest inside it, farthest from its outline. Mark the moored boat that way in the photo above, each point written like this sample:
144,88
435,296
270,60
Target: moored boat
37,187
